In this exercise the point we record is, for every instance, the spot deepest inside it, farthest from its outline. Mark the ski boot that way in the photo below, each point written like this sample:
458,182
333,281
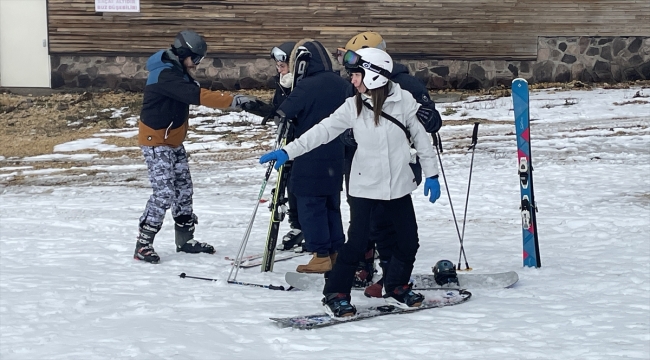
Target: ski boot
366,270
293,239
404,297
184,231
144,245
376,290
338,305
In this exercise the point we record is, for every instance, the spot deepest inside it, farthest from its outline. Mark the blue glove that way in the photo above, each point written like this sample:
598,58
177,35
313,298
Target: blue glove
281,157
432,184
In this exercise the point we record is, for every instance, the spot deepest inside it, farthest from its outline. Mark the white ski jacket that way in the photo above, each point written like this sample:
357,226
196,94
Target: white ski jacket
380,167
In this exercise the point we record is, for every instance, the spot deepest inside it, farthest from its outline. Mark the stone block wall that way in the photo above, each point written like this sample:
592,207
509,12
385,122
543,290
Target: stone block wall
561,59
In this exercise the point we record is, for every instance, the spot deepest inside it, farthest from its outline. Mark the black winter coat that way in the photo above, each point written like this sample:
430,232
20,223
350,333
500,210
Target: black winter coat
281,92
320,92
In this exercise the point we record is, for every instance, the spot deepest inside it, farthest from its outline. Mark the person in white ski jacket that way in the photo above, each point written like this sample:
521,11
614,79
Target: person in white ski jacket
380,175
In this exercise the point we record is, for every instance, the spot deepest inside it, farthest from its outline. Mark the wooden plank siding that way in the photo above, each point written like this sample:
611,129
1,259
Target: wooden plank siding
440,29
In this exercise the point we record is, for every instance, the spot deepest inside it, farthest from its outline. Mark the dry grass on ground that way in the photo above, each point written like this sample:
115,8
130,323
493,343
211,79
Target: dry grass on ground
33,125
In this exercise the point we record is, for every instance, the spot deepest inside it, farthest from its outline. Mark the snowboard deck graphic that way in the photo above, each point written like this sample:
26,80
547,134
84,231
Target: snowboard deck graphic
420,281
433,300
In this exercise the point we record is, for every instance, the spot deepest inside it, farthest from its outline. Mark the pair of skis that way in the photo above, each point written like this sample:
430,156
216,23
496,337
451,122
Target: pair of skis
279,200
278,205
251,261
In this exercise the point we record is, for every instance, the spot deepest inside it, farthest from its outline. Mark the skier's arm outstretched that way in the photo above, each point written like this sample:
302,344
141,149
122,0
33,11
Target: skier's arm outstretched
322,133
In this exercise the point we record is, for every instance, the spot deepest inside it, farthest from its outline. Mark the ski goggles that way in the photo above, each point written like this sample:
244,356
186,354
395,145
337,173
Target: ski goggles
278,55
352,60
196,59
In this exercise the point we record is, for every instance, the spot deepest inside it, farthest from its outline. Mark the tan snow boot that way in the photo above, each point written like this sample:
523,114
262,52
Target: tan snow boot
319,264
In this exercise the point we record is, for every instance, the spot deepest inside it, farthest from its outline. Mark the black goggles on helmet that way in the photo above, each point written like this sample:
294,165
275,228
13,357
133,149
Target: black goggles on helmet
196,59
352,61
278,54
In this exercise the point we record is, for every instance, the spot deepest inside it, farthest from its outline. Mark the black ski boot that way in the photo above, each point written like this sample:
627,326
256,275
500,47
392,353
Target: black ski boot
184,231
293,239
404,297
366,270
144,245
338,305
398,291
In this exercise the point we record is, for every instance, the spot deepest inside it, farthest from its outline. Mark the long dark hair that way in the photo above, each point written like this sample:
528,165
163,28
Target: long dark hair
378,96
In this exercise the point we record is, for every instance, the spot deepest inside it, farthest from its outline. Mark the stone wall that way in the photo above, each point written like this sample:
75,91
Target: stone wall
561,59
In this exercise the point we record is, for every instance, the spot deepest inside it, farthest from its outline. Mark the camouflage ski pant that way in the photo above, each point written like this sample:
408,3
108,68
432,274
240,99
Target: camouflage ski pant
169,174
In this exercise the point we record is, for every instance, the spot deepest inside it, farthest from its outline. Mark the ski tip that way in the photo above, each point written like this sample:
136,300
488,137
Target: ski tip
519,80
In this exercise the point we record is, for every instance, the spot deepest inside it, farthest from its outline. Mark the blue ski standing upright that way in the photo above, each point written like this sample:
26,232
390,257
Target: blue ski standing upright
528,205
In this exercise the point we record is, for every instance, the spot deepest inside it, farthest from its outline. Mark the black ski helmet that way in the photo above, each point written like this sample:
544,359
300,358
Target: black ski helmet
190,44
444,272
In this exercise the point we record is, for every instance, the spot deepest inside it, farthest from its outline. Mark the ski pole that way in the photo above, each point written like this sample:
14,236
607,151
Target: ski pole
437,143
242,246
184,276
469,183
269,170
270,287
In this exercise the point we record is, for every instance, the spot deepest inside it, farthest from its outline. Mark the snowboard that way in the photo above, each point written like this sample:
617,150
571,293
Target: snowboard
433,300
420,281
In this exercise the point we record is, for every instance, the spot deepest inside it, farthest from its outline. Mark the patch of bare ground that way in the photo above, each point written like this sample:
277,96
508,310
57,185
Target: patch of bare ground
33,125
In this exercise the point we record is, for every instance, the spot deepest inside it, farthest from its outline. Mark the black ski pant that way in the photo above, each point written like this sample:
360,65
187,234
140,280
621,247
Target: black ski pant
381,227
382,233
403,247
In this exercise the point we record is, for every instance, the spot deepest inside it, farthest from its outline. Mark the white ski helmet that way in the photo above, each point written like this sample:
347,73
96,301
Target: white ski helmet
379,58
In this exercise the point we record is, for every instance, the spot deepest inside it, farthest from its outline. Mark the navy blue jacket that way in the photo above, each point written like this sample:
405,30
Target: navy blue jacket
320,92
408,82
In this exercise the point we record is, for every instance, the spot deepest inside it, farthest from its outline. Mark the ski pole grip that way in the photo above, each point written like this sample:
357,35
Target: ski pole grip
437,141
475,133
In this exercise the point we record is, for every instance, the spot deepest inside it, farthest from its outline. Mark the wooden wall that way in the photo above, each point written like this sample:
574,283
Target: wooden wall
439,29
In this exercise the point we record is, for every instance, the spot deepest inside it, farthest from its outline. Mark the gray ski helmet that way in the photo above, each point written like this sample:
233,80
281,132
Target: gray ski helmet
444,272
190,44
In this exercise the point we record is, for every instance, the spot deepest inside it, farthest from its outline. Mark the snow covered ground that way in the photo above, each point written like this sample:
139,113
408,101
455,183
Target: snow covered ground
69,288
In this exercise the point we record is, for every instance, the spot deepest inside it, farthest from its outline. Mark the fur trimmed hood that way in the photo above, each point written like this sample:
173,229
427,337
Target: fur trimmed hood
321,59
